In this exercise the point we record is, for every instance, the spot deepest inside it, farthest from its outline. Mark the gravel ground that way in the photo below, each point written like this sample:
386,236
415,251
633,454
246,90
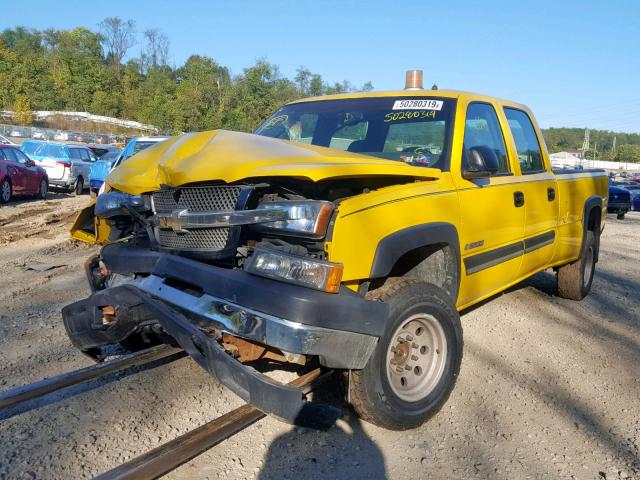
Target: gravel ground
549,388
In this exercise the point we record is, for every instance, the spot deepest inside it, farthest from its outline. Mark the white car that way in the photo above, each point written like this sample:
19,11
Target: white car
61,136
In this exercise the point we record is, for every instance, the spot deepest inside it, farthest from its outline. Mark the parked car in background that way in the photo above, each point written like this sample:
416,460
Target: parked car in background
136,145
61,136
634,189
67,166
19,175
5,141
38,135
16,132
619,201
107,155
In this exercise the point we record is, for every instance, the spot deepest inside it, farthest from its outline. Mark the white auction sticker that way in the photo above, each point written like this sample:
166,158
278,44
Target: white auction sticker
417,105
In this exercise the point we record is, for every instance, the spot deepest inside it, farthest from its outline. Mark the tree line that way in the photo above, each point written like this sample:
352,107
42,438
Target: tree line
603,144
85,70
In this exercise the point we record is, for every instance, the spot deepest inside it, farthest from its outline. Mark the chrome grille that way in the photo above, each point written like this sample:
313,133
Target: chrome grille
205,239
196,199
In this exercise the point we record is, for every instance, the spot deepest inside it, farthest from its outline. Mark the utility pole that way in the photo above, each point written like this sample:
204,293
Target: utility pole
585,142
595,148
613,150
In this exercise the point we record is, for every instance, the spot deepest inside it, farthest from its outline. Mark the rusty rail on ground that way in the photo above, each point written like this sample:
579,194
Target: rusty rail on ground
15,396
169,456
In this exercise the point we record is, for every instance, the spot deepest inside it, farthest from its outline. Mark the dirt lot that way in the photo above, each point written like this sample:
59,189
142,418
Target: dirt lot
549,388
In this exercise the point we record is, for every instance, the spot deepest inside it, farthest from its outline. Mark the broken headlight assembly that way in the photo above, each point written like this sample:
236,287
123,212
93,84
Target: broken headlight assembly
114,203
307,218
304,271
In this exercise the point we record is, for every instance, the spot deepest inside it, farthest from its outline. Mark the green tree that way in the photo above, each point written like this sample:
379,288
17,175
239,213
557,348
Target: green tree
22,110
628,153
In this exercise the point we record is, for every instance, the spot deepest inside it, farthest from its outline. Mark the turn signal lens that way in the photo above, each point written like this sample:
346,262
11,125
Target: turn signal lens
308,272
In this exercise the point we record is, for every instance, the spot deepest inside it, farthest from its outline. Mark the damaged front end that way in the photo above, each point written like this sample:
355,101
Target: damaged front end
231,273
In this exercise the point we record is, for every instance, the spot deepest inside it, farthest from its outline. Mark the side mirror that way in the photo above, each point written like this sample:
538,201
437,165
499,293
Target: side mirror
29,163
481,162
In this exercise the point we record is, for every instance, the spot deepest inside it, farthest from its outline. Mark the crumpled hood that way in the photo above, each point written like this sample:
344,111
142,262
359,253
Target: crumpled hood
221,155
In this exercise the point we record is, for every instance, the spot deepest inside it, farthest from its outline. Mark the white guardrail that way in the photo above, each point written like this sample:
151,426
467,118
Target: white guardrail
42,114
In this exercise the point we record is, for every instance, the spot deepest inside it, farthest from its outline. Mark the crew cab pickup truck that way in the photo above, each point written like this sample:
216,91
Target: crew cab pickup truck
348,231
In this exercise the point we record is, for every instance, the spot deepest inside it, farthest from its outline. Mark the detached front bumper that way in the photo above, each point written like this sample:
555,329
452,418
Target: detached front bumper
195,303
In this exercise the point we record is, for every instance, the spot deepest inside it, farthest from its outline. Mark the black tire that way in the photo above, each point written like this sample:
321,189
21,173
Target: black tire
620,215
575,279
372,394
78,188
5,191
43,190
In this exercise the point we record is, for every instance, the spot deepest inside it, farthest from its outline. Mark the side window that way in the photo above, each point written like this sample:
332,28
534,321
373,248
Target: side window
54,151
22,158
84,155
483,129
75,153
526,140
10,154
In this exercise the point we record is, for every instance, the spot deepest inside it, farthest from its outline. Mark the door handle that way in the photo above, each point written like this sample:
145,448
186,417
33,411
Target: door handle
551,194
518,199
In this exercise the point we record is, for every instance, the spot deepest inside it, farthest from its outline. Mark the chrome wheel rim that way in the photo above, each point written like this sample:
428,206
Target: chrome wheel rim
588,266
416,357
6,191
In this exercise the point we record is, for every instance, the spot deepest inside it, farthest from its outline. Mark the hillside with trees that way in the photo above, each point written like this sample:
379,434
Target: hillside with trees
85,70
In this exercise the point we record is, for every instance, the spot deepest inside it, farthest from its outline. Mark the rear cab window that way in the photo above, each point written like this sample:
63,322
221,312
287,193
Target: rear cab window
526,140
414,130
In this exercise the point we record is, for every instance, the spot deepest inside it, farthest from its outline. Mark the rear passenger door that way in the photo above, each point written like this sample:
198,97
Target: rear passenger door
539,189
492,216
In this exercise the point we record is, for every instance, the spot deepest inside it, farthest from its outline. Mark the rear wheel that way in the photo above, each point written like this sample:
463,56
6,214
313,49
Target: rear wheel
620,215
79,186
416,363
44,189
5,191
575,279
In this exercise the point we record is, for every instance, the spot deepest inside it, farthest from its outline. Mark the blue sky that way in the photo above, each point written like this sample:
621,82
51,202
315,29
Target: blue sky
575,63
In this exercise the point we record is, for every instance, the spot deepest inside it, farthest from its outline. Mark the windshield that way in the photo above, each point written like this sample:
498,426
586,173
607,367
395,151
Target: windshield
109,155
139,146
413,130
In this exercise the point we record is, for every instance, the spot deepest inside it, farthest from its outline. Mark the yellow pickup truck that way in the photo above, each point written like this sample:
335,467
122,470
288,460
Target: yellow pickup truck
348,232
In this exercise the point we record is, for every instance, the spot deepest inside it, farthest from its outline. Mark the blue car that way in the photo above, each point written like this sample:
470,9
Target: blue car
101,169
619,201
107,156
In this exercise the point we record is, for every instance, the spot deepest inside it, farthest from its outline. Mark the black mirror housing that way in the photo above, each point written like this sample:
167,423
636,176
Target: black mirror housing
481,162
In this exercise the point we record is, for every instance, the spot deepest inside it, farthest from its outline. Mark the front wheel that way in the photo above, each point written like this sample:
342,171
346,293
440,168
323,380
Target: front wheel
620,215
575,279
5,191
415,365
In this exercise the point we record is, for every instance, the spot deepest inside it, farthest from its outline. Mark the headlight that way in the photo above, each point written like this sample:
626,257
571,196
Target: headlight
306,217
304,271
113,203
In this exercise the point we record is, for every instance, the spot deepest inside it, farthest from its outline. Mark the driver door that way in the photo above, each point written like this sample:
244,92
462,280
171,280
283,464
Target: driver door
492,216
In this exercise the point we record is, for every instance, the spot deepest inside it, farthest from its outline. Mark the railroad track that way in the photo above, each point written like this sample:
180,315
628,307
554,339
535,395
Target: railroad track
167,457
20,395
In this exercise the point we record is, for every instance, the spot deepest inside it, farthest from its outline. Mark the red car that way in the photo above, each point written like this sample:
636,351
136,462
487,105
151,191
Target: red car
19,175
